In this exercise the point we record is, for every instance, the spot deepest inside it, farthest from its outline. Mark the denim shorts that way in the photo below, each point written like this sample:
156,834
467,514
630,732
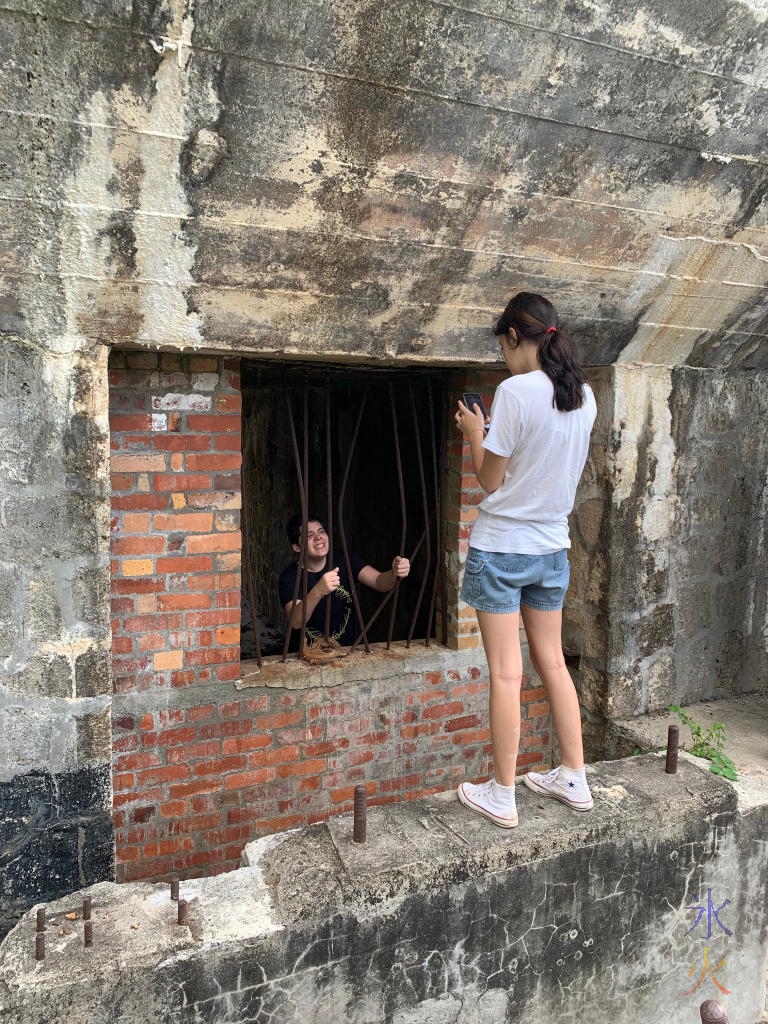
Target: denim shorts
499,582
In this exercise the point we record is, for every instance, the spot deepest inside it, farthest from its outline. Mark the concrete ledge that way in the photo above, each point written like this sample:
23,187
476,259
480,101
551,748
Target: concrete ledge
356,666
746,727
441,916
295,674
426,845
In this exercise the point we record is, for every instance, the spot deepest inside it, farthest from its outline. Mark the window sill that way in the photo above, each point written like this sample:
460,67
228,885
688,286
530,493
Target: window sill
296,674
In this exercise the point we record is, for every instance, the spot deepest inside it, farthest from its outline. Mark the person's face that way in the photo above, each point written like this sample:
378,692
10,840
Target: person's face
317,540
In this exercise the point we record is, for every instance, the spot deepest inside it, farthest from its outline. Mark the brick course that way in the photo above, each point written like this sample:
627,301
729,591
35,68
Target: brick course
161,535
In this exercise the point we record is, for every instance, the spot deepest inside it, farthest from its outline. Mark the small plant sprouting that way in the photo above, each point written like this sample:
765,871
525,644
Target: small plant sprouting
709,745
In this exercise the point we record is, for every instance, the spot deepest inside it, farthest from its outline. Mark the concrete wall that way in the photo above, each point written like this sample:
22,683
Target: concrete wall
55,786
687,614
343,180
440,916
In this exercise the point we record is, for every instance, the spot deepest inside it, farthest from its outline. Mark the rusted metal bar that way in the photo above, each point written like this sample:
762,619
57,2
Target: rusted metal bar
360,816
40,946
441,531
403,513
713,1012
425,509
88,934
248,561
40,919
329,513
87,905
673,740
304,524
181,916
175,888
303,552
387,597
342,535
436,493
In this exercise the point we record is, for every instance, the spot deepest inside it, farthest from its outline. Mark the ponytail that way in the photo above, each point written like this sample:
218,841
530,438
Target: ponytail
533,318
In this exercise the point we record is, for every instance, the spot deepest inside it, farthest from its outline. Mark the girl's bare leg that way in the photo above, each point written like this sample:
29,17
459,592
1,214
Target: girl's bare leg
544,633
501,640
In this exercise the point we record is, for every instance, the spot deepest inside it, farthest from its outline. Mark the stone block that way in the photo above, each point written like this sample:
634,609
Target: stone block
692,609
655,629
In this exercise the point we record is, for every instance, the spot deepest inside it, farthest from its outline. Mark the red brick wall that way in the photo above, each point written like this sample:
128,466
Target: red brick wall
216,768
175,428
193,785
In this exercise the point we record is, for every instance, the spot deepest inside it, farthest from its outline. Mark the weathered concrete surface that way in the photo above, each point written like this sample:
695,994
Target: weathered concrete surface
55,787
441,916
746,729
224,177
686,599
344,180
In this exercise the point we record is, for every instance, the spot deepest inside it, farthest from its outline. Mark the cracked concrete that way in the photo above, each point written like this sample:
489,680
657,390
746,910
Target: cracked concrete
567,915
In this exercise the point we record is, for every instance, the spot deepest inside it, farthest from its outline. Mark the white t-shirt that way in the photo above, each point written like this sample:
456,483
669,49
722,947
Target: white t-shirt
547,450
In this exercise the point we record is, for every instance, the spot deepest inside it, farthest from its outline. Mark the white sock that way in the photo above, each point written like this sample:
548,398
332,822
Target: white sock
574,773
506,790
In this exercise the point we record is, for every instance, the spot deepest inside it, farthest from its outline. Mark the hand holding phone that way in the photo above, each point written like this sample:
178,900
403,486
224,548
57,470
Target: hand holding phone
470,410
472,399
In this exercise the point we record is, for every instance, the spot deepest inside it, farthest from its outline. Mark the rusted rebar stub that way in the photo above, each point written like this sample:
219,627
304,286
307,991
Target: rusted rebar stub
88,933
40,920
673,738
359,825
87,908
175,888
182,915
713,1012
40,946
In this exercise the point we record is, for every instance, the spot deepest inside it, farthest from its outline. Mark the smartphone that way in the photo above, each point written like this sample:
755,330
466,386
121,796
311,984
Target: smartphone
471,398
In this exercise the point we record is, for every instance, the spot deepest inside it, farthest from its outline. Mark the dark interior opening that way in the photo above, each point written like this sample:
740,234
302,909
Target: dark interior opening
371,511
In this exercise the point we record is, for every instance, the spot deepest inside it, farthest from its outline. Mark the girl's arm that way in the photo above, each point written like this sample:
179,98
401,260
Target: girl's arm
489,467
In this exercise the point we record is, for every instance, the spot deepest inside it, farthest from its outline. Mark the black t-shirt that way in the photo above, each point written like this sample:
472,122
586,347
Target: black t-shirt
344,627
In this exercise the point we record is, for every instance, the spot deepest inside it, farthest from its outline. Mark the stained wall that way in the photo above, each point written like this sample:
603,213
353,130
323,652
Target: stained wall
340,179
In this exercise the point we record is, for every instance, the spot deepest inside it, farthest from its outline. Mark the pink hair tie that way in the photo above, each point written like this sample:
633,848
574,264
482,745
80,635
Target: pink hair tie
551,330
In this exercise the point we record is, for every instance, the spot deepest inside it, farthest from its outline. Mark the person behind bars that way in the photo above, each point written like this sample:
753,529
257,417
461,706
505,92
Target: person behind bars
528,464
328,577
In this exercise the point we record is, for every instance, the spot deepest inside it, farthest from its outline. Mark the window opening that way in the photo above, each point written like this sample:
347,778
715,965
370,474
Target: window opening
363,450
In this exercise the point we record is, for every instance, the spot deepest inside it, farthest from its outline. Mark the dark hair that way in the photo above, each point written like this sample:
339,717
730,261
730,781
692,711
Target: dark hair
293,526
534,318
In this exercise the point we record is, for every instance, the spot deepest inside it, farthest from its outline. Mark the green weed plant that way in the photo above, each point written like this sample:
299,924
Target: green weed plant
709,745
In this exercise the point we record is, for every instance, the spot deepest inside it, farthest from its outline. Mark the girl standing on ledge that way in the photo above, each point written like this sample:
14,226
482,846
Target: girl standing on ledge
529,464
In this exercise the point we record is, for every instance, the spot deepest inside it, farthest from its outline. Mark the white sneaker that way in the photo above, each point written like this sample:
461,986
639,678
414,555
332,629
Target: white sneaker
494,801
564,784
